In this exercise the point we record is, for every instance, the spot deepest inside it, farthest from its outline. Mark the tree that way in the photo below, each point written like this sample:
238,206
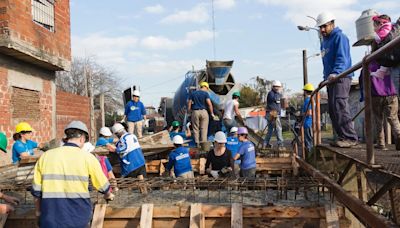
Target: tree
248,97
103,79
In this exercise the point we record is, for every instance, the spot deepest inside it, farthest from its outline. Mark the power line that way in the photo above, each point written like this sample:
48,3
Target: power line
213,28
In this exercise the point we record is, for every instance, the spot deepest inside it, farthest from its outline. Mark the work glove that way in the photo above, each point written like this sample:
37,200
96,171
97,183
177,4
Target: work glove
6,208
214,173
188,125
109,196
214,117
226,170
10,199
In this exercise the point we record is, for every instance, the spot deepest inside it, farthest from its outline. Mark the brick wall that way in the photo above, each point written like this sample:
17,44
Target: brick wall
41,123
16,22
71,107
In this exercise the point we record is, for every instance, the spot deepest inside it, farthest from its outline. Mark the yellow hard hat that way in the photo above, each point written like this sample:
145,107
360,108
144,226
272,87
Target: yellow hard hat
308,87
23,126
204,84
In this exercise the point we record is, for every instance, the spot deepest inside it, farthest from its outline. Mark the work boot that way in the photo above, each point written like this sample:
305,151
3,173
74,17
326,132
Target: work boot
344,143
267,145
380,147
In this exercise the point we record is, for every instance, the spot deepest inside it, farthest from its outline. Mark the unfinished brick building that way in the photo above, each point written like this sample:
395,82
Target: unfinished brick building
34,44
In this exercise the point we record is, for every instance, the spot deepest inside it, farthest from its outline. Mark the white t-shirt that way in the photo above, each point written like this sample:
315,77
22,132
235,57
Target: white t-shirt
229,110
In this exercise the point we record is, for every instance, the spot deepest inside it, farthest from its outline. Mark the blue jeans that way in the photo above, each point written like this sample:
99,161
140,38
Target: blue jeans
274,126
308,138
229,124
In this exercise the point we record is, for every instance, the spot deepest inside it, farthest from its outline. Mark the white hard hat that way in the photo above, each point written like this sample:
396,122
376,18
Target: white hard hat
117,127
233,130
324,18
220,137
105,131
136,93
276,83
76,124
177,139
88,147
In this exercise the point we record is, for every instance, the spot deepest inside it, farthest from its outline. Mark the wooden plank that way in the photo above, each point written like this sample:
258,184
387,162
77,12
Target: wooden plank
98,215
202,166
237,215
332,218
196,216
146,216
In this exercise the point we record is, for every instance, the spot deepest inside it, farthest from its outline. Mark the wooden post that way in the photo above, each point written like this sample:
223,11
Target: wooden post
102,110
146,216
237,215
3,219
369,136
89,80
202,166
196,216
394,195
98,215
314,123
332,218
303,146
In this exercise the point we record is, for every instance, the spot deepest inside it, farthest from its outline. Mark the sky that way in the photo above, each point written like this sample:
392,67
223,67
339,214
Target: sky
152,44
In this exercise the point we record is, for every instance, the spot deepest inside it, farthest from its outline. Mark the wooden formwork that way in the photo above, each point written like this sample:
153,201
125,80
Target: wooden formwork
199,215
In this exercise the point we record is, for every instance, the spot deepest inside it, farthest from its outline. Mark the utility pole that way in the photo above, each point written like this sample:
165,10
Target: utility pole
89,80
103,118
305,72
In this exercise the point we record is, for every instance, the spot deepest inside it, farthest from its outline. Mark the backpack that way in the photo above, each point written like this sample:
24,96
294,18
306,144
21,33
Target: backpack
392,57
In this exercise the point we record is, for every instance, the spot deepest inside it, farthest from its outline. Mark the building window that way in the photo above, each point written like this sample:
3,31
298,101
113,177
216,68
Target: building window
43,13
25,104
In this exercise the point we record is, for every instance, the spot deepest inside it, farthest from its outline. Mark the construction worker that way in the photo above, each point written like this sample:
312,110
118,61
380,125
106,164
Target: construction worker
247,154
130,153
106,139
179,159
231,109
219,160
135,114
23,146
273,114
61,181
176,127
307,113
336,59
8,207
198,101
233,144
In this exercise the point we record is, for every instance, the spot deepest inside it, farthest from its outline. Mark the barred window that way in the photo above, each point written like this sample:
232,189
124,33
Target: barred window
43,13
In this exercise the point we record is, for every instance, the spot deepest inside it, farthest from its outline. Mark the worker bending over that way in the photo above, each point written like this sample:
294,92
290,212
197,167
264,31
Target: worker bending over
179,159
130,153
219,160
247,154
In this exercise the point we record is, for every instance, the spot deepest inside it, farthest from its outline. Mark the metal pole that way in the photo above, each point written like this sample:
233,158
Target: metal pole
305,73
368,115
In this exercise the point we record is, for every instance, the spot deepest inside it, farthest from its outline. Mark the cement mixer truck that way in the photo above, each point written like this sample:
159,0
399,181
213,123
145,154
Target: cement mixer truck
222,85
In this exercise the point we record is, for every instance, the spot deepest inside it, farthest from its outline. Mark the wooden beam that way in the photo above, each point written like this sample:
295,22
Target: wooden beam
98,215
3,220
237,215
196,216
332,218
363,212
345,171
386,187
146,216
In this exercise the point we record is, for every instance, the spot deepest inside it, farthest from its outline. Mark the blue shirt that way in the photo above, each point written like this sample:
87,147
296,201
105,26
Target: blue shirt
135,111
336,53
130,154
233,144
199,98
274,101
247,155
308,119
103,141
19,147
180,160
172,134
